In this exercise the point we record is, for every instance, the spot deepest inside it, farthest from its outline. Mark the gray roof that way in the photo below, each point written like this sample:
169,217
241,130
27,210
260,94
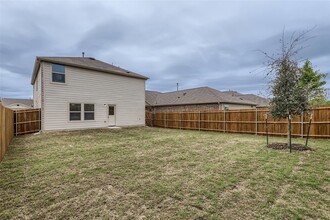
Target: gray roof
151,96
202,95
261,101
86,63
8,101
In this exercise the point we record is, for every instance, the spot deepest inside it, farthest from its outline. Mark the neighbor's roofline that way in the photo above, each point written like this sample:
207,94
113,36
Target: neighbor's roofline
40,59
203,103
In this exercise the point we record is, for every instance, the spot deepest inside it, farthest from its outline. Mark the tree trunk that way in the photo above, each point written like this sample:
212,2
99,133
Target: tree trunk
289,132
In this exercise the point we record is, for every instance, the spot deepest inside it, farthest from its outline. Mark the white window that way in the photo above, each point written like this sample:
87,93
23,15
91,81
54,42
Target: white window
88,111
75,111
58,73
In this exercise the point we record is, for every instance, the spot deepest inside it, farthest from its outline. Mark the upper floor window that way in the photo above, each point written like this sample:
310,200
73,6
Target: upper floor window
58,73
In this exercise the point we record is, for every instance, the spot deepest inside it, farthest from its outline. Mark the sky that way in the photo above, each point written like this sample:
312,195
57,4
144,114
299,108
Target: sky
193,43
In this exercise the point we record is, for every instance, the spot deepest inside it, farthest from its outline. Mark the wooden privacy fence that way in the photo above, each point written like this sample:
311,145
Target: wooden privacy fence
27,121
250,121
6,129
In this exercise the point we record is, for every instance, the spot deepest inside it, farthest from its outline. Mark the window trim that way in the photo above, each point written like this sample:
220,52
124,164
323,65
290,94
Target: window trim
58,73
89,111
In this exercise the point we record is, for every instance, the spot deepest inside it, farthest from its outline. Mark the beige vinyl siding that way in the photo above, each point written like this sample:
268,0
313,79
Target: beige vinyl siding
37,91
92,87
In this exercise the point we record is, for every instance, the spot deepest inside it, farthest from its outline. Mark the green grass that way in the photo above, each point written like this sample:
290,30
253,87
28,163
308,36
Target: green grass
162,174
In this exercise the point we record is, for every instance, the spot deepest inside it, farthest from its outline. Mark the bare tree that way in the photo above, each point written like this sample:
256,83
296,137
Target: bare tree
288,97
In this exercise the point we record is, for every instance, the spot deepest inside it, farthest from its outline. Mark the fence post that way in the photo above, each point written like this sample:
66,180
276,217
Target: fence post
256,121
302,124
151,119
199,120
267,127
15,113
180,120
224,120
165,120
39,119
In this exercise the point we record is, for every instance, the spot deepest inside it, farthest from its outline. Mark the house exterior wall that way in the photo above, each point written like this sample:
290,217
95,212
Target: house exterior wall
37,91
197,107
91,87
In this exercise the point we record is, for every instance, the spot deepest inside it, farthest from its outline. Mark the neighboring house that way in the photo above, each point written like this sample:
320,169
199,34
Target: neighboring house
82,92
196,99
17,104
260,101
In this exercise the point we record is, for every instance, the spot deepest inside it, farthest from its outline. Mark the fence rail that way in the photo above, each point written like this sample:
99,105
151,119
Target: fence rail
6,129
250,121
27,121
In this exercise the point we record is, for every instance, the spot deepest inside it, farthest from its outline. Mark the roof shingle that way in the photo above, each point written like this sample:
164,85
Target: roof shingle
200,95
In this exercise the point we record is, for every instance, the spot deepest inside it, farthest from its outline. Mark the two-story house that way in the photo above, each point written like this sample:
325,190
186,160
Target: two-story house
82,92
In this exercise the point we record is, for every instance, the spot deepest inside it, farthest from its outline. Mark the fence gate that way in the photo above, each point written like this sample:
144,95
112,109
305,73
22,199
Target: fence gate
27,121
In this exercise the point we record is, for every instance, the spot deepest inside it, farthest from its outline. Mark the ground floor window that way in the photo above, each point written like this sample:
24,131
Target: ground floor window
75,111
89,111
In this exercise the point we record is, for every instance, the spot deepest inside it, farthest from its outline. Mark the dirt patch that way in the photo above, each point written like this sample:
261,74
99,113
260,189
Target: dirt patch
284,146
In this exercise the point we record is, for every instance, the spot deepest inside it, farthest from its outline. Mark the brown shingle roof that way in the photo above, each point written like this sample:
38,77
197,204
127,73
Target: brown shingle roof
151,96
86,63
261,101
200,95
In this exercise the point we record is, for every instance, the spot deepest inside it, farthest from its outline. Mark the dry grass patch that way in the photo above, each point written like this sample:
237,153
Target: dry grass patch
161,173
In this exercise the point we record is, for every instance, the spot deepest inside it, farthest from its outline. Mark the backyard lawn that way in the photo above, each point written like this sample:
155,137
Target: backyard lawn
162,173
